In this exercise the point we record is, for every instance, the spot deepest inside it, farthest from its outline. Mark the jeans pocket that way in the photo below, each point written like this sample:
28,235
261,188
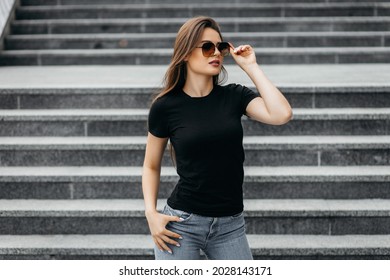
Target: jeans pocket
184,216
238,215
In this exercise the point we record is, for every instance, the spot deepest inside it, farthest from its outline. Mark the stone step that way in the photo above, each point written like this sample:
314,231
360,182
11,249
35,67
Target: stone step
104,87
132,122
301,24
140,246
158,40
140,97
118,2
126,216
209,9
259,151
172,25
313,55
278,182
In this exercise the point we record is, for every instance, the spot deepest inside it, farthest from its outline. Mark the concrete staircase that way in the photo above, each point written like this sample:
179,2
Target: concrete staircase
67,33
71,156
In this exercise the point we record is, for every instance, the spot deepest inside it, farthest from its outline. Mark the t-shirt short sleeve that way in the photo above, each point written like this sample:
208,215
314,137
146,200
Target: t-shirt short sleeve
157,120
247,95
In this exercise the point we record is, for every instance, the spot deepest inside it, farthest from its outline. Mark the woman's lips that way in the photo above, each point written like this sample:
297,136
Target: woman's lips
215,62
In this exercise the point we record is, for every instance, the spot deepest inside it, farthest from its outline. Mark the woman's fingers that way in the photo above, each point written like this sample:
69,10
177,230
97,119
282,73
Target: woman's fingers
166,239
172,218
242,49
161,245
162,240
244,55
172,234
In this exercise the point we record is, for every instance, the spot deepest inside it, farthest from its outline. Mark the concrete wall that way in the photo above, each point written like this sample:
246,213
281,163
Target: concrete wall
6,15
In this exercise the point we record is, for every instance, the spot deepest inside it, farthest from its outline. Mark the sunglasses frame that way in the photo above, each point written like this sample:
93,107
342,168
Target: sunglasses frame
215,46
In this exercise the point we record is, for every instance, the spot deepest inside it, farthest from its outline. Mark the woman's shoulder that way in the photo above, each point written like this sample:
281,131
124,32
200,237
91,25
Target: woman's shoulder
164,101
233,87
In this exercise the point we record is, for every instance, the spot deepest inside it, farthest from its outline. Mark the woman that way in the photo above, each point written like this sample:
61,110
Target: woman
202,120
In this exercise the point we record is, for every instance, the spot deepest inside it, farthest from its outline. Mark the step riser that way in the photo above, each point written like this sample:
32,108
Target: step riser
252,190
118,128
288,56
221,11
78,256
94,27
138,128
128,157
319,127
254,225
116,2
84,101
143,100
263,254
258,41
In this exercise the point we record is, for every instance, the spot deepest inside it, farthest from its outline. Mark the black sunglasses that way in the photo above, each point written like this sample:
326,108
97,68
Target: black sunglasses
208,48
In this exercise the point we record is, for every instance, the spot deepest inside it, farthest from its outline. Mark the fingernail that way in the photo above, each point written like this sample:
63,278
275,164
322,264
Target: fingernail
180,237
170,252
181,219
177,245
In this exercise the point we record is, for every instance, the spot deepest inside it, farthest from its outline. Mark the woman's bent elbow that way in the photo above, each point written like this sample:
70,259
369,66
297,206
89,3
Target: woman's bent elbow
285,118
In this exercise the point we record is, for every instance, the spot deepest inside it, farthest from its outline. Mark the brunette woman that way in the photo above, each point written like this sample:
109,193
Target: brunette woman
202,120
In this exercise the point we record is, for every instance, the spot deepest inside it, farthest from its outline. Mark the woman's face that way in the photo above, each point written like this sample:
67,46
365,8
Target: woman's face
201,65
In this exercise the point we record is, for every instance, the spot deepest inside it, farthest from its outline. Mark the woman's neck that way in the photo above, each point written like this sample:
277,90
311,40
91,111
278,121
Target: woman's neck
198,87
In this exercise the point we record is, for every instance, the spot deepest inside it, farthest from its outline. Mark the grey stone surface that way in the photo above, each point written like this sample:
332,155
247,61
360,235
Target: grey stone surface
254,208
29,128
313,78
322,189
320,55
253,174
132,122
8,102
74,158
288,225
36,190
130,151
355,157
83,101
278,24
94,2
73,225
133,97
122,246
319,127
262,216
341,182
6,15
213,10
370,225
158,40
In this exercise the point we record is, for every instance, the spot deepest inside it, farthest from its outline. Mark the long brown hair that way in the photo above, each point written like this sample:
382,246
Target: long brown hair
187,38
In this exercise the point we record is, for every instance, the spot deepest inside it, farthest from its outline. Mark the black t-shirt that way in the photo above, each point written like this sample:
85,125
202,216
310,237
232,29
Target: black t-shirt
207,134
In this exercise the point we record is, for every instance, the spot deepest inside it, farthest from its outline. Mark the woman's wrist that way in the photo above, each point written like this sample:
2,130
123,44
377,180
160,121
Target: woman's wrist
150,212
250,68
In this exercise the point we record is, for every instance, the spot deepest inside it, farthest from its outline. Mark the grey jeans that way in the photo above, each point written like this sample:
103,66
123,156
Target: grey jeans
220,238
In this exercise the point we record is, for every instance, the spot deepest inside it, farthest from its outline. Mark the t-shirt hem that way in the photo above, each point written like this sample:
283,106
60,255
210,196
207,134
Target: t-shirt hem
247,102
157,134
206,213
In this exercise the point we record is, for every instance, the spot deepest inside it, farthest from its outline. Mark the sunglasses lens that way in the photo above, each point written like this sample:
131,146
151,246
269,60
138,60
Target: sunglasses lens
223,48
208,49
